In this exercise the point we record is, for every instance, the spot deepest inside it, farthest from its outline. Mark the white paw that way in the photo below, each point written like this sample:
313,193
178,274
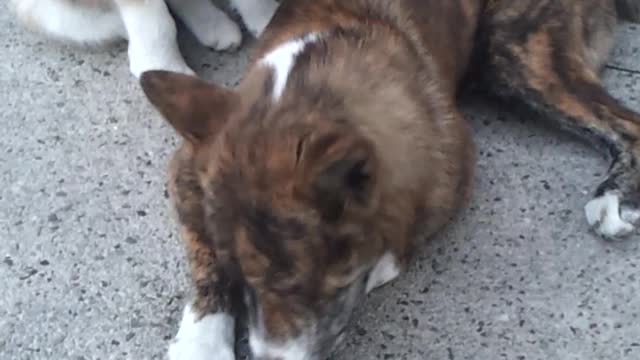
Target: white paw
141,60
152,37
224,34
22,8
258,16
210,338
605,216
629,214
192,349
28,13
210,25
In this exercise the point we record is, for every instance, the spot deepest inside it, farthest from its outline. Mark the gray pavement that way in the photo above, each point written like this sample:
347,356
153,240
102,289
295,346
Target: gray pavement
91,267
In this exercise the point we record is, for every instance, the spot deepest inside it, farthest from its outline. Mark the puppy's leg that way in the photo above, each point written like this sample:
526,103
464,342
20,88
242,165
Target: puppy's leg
75,21
256,13
152,37
551,68
210,25
207,328
203,336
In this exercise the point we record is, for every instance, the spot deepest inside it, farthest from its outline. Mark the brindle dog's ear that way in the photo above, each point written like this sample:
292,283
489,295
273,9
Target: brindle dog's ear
195,108
344,177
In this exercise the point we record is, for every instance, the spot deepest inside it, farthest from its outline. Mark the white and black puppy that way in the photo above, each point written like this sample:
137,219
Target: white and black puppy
147,24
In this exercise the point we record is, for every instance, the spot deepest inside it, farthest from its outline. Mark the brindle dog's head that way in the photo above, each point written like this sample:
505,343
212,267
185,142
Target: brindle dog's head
290,193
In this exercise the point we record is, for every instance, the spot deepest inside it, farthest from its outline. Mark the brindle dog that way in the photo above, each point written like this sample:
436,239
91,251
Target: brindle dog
303,188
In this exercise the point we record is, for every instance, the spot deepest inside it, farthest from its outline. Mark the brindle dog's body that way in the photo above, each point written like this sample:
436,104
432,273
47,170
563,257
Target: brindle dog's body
306,196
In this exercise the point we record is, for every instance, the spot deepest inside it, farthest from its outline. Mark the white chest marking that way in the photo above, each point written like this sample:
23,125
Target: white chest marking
384,271
283,58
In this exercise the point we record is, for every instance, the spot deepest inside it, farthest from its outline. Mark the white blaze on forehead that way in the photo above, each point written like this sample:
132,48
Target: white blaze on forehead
283,58
296,349
385,270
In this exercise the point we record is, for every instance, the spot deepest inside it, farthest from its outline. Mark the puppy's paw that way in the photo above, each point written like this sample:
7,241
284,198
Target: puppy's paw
211,26
152,37
143,59
193,349
630,214
207,338
257,17
608,218
30,13
138,65
23,10
223,34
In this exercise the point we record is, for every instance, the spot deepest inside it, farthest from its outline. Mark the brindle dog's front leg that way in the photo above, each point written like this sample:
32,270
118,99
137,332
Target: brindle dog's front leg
548,54
207,328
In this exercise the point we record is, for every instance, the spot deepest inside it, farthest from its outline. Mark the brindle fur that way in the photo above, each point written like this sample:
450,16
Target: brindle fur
548,55
289,199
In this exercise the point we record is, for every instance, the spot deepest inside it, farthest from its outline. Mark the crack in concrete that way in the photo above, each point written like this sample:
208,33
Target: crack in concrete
618,68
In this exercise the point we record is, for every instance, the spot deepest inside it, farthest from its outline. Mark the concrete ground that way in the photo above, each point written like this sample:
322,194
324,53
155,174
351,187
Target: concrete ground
91,266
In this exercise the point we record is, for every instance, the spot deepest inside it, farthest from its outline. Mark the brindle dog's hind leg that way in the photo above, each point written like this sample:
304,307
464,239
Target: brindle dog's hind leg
548,54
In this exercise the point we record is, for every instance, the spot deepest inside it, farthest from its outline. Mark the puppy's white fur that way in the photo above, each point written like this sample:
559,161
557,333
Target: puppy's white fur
208,338
210,25
256,14
146,23
605,215
152,37
76,23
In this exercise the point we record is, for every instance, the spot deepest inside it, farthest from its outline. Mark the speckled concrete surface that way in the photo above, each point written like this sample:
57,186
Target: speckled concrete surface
91,267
